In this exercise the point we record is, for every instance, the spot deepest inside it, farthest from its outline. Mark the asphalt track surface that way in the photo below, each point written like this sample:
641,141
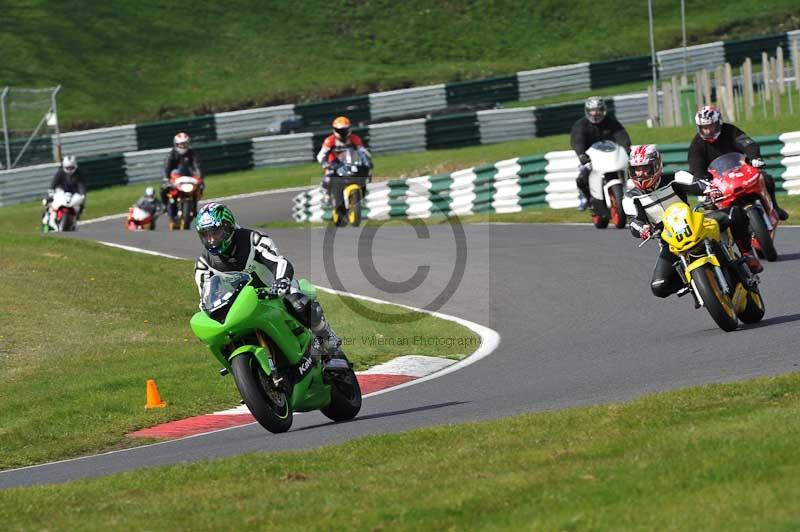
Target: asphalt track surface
572,305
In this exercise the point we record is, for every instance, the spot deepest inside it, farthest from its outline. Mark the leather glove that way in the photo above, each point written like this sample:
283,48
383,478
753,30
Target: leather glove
645,232
712,193
584,159
757,163
280,287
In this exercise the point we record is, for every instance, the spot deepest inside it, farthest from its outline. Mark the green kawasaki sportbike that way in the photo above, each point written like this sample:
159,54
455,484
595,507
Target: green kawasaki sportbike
277,363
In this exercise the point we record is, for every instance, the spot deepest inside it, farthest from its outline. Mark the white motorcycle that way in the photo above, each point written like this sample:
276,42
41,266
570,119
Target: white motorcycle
607,183
62,214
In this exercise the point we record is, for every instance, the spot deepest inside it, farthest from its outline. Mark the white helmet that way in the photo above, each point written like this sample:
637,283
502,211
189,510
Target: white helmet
69,164
595,109
710,119
181,142
149,193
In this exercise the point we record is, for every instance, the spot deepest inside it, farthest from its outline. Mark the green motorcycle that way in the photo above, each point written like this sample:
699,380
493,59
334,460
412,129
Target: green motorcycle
277,363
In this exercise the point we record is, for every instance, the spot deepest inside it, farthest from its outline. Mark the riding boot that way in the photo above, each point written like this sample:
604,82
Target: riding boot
782,214
749,257
330,341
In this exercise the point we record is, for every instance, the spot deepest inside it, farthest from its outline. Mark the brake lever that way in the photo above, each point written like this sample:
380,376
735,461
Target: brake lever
653,235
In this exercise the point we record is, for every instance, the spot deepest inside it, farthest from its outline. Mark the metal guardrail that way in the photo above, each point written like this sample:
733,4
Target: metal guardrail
405,102
148,165
708,56
506,124
401,136
283,150
25,184
118,139
555,80
251,122
631,108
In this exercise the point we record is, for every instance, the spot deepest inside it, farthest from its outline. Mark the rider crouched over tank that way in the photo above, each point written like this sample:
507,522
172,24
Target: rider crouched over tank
653,193
230,248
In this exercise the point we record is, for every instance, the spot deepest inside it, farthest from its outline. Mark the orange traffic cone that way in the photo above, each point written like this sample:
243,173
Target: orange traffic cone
153,398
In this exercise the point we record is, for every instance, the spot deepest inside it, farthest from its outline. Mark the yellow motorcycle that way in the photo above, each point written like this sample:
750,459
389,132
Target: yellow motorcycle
710,265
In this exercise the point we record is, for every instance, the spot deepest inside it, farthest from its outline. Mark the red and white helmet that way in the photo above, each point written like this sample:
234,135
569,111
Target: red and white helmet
181,142
645,167
709,123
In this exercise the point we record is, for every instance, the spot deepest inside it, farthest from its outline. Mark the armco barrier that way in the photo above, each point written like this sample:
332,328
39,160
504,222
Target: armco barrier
452,131
251,122
620,71
116,140
407,102
557,119
283,150
506,124
699,57
222,157
147,165
482,91
104,171
631,108
156,135
555,80
25,184
318,116
737,51
406,135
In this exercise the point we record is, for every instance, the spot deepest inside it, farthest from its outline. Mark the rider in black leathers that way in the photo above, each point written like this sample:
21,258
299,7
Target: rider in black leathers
593,127
184,159
652,194
715,138
68,178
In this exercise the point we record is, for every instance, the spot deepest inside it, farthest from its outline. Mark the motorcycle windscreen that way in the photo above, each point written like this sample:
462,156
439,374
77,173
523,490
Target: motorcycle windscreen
220,290
726,163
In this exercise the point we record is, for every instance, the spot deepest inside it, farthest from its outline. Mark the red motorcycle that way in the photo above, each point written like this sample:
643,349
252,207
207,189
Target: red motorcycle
744,185
183,195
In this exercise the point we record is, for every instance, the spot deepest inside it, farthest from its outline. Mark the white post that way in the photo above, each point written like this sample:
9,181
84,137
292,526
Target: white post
765,71
683,29
5,128
747,79
779,66
54,107
653,48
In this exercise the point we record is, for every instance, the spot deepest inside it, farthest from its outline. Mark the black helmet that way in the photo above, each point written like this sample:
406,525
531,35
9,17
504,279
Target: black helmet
595,109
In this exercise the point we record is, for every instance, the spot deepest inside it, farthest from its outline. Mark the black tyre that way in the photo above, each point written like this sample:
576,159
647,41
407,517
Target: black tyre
345,397
618,217
269,406
717,302
186,214
755,308
65,224
599,222
759,229
354,208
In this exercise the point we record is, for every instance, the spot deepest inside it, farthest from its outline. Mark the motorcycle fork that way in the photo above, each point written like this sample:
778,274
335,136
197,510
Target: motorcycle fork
682,266
277,381
723,282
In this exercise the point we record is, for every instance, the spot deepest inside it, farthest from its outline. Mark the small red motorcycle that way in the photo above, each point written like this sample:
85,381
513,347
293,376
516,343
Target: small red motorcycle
742,184
184,193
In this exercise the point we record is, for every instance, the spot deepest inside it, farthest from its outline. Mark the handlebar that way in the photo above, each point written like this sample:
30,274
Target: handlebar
654,234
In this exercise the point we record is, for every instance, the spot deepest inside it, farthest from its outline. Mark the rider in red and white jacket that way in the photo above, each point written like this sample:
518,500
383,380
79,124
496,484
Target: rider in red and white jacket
340,141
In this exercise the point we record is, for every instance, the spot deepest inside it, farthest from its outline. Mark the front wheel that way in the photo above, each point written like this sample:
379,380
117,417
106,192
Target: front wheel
762,235
754,309
345,396
268,405
717,302
618,217
354,208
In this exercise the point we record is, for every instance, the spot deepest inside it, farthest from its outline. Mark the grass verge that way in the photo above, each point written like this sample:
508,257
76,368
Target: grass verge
717,457
89,324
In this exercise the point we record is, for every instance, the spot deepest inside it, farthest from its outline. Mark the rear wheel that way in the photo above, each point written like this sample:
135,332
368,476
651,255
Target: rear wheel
269,405
717,302
65,223
345,396
618,217
762,235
